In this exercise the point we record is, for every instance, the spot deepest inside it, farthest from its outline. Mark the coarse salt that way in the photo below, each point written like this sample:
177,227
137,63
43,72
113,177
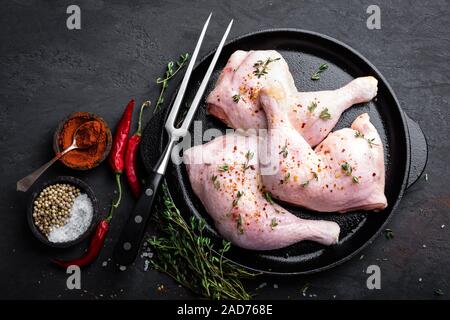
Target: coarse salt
79,221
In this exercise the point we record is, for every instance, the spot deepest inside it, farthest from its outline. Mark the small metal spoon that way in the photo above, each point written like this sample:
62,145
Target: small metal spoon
25,183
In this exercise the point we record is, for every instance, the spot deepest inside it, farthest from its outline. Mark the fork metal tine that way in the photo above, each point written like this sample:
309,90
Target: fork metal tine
127,247
201,90
179,98
176,133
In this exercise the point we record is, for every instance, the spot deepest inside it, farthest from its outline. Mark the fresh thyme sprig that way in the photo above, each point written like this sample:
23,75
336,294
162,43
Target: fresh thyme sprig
315,177
388,233
239,194
261,67
224,168
273,223
347,168
183,252
286,177
325,114
268,197
170,73
215,182
239,225
322,68
312,106
248,156
284,151
371,142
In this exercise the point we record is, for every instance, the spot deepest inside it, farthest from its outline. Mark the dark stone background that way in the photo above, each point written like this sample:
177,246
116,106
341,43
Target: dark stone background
47,72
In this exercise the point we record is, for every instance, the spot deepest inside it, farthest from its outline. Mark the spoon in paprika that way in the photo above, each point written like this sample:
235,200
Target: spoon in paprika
80,141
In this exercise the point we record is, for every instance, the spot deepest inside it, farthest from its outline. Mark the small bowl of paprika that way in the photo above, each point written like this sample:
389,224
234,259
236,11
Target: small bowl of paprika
86,158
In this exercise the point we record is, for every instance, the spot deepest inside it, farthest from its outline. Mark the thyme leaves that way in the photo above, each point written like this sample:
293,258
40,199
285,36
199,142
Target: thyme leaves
183,252
284,151
261,67
239,195
312,106
224,168
370,141
248,156
268,197
273,223
321,69
325,114
171,70
215,182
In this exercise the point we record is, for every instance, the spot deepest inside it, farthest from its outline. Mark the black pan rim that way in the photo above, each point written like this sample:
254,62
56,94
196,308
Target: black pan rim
404,126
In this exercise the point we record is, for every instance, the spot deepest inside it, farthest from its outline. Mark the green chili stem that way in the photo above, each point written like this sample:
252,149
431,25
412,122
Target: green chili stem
139,128
115,204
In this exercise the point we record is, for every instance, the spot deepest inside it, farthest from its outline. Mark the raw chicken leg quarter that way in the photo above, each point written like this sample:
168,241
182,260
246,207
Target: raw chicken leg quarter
235,98
228,184
345,172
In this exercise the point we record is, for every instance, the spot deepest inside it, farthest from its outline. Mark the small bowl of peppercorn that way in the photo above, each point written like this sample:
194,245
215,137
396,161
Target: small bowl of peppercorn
84,158
62,212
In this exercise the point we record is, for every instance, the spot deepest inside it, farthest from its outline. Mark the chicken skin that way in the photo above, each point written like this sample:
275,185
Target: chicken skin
235,98
344,173
224,175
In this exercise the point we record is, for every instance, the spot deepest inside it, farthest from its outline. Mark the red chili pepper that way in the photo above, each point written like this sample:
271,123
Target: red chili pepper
94,248
116,156
131,156
116,160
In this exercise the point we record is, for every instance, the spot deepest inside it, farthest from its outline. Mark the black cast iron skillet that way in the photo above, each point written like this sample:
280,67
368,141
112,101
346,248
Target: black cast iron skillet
404,143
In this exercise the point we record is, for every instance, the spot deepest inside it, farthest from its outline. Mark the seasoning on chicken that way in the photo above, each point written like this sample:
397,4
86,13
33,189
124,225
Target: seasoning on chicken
345,172
224,174
235,99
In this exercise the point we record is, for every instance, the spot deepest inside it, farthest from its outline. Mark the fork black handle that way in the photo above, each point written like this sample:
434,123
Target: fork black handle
127,248
130,239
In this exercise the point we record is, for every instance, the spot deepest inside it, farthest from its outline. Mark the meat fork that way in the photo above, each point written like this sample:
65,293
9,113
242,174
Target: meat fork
130,239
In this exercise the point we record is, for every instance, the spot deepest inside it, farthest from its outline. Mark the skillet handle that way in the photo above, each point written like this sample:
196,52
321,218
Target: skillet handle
418,151
127,247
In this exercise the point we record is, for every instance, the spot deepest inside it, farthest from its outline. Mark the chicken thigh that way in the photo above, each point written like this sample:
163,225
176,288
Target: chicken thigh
344,173
235,98
224,174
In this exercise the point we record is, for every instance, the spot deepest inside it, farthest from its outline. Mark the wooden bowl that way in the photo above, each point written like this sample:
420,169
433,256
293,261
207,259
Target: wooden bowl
86,116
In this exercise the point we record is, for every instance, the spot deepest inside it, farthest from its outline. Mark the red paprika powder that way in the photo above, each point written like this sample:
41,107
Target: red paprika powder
91,156
87,134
